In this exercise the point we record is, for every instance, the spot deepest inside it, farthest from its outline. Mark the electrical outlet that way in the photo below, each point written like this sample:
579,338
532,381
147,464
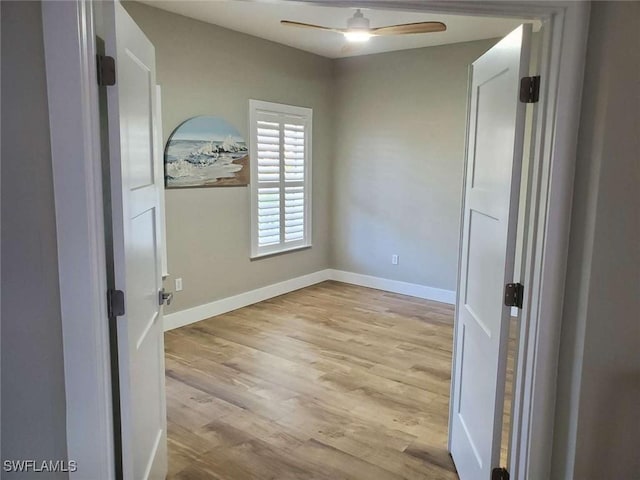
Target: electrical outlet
394,259
178,284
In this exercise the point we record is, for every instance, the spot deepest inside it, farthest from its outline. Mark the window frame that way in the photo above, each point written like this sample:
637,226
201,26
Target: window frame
257,108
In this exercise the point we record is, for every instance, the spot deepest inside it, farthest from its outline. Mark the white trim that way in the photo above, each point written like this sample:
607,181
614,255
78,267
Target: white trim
159,165
69,47
278,252
77,179
224,305
280,108
395,286
556,132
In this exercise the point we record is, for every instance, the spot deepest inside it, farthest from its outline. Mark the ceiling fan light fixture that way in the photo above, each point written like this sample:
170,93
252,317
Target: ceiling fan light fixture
357,35
358,22
358,28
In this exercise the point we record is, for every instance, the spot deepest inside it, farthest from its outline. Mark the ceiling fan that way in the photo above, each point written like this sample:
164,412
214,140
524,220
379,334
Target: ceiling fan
359,29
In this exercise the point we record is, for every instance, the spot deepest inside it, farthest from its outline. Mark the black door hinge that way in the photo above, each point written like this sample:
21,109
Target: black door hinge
530,89
106,70
499,473
513,294
115,303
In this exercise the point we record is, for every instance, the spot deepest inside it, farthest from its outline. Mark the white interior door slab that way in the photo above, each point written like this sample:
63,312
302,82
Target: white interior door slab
493,166
135,184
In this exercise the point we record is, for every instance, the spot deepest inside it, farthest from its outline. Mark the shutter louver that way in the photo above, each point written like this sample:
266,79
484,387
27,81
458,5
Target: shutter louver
293,152
293,213
268,216
268,152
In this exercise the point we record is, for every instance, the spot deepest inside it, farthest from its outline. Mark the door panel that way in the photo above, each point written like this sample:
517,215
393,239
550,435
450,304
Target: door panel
135,184
137,98
482,273
494,157
144,312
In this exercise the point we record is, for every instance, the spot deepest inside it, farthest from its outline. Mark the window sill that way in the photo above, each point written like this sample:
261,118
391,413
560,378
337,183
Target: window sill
279,252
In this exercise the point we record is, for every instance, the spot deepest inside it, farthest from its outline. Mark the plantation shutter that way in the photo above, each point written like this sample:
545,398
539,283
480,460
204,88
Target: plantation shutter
281,155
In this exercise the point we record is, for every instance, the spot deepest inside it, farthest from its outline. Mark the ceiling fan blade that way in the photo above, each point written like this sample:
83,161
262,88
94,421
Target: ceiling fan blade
308,25
410,28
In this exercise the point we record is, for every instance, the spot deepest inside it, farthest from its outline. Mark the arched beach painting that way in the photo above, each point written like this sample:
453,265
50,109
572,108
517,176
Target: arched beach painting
206,151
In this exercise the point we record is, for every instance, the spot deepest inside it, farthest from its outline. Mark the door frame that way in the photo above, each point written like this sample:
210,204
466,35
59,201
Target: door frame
70,49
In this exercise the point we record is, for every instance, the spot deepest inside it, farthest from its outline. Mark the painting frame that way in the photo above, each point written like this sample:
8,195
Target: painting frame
206,151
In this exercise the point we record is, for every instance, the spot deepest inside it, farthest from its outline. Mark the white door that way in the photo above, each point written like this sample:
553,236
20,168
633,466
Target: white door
135,184
493,165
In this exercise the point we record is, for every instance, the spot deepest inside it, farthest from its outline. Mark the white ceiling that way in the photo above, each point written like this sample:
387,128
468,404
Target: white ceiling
263,20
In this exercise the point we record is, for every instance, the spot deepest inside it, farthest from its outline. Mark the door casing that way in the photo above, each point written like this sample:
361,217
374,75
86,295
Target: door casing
76,158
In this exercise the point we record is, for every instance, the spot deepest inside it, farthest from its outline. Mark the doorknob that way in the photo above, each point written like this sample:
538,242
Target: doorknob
164,297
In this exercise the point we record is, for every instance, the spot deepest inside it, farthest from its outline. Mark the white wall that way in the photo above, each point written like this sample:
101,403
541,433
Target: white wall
208,70
397,175
33,422
597,432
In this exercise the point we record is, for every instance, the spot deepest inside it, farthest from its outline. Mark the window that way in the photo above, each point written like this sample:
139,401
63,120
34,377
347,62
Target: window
280,177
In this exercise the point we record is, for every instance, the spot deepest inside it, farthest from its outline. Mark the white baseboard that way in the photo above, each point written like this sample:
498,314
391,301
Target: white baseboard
224,305
395,286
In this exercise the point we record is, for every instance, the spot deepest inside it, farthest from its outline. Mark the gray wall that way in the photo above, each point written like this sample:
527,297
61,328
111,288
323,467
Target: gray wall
33,402
598,416
397,178
208,229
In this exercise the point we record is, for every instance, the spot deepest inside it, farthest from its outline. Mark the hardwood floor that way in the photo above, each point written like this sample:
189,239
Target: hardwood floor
508,395
330,382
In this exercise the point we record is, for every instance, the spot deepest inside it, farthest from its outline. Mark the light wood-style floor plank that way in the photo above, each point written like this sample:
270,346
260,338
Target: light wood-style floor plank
329,382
